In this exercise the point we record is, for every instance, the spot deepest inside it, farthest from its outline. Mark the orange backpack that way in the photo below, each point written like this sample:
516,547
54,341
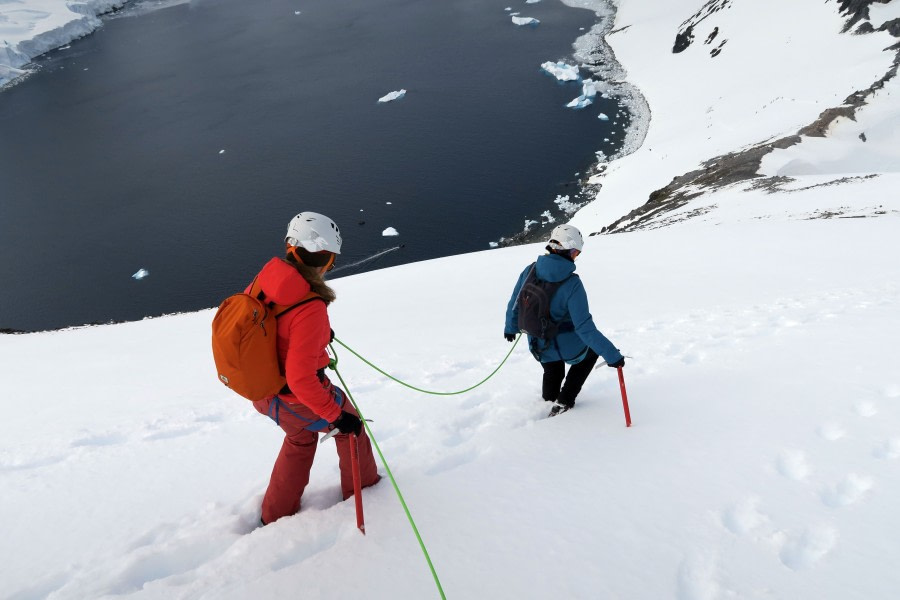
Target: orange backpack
244,332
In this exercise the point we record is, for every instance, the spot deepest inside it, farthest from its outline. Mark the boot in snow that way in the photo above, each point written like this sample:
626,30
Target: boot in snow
558,409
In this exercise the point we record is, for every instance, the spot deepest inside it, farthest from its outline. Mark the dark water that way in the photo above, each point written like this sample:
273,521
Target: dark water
110,154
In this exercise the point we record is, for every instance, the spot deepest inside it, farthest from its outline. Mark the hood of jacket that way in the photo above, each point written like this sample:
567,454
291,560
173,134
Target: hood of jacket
281,283
552,267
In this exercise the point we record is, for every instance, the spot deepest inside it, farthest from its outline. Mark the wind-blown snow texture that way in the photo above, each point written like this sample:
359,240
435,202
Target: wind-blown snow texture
763,381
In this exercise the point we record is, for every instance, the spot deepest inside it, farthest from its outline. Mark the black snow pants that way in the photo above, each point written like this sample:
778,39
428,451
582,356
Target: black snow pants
553,388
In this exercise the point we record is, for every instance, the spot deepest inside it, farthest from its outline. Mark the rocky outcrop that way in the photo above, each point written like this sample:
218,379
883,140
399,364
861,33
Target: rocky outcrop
744,165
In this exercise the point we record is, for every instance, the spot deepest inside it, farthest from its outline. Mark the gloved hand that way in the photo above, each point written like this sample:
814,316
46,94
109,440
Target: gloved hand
347,423
618,364
510,337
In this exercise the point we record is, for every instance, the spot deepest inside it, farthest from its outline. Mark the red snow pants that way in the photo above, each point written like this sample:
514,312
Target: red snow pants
291,471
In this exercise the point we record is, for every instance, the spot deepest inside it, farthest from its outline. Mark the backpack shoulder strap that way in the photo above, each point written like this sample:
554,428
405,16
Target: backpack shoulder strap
256,290
280,309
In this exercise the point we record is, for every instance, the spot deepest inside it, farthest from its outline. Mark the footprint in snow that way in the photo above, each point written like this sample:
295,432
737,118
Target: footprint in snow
888,450
99,439
291,551
462,429
806,549
866,409
697,579
452,462
17,464
172,432
792,464
847,491
744,517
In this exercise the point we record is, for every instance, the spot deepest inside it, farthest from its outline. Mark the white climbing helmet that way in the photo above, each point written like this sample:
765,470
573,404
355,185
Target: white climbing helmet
314,233
566,237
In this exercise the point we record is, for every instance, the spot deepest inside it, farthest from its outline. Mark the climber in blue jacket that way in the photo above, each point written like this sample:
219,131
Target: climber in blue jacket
577,341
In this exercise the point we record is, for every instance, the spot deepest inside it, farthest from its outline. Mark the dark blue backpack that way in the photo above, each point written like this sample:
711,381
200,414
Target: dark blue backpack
534,308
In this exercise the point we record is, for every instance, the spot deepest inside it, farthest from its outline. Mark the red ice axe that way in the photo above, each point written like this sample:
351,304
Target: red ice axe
357,483
357,478
624,398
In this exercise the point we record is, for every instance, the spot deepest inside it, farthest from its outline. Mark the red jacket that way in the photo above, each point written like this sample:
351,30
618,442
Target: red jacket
303,335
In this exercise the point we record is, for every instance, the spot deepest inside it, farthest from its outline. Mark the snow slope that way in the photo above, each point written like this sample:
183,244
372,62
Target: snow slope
762,377
780,65
762,461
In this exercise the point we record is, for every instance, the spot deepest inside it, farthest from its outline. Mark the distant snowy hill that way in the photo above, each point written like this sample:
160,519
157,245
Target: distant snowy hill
755,290
738,93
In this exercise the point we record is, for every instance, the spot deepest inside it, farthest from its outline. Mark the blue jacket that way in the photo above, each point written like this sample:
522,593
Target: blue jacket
569,308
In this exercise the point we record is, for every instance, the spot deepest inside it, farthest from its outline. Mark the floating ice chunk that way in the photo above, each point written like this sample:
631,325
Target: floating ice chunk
392,96
532,1
579,102
525,21
493,244
566,205
603,117
588,92
547,218
141,273
588,88
390,231
297,12
222,151
508,8
561,70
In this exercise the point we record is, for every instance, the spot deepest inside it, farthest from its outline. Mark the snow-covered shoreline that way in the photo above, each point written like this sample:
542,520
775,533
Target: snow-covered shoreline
593,52
43,25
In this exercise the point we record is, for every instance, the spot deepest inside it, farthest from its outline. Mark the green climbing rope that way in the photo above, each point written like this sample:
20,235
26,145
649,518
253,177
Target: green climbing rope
437,582
412,387
333,365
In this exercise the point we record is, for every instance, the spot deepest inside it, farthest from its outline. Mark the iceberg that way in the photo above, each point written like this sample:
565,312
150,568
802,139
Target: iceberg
141,273
561,70
603,117
588,92
579,102
390,231
525,21
566,205
392,96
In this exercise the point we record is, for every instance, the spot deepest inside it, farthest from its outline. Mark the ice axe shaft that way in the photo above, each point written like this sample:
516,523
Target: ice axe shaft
624,398
357,483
